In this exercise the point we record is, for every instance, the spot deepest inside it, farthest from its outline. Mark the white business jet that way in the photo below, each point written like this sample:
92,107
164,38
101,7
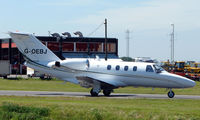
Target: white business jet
96,73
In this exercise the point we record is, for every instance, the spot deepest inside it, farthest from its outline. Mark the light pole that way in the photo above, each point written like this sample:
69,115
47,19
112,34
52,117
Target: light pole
127,43
106,51
172,44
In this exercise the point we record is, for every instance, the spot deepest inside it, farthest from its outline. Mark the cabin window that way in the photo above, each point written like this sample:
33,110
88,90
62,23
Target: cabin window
117,67
149,68
109,67
125,68
135,68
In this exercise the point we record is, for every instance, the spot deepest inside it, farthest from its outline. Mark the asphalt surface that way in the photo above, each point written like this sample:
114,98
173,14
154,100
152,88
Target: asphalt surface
85,94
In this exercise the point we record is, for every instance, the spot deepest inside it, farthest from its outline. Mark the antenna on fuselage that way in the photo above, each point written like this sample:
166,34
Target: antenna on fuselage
106,53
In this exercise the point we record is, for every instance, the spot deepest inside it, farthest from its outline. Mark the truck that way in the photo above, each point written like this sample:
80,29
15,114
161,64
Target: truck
29,72
179,66
193,72
34,73
167,66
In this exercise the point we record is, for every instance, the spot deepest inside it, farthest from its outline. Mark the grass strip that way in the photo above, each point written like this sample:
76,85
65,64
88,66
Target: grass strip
87,108
18,112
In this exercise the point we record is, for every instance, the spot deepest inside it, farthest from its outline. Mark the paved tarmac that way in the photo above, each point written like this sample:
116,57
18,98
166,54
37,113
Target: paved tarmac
85,94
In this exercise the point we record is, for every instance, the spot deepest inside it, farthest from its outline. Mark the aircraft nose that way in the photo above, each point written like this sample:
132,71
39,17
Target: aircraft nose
187,83
181,82
191,83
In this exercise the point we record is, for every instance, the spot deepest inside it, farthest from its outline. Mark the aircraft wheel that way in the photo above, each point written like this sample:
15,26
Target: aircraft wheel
107,92
93,94
171,94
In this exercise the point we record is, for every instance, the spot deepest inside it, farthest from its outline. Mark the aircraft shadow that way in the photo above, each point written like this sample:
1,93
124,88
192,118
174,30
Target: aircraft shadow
56,94
84,95
112,96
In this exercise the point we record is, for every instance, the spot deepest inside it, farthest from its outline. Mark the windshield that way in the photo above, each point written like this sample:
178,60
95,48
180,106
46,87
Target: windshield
180,65
192,65
158,68
198,65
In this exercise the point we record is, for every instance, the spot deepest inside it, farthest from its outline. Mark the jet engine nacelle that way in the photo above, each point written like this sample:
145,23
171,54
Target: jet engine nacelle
77,64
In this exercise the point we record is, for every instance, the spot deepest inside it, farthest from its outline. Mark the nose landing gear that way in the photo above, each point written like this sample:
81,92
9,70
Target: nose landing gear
171,94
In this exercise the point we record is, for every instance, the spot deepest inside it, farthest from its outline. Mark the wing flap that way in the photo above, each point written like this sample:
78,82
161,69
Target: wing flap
88,82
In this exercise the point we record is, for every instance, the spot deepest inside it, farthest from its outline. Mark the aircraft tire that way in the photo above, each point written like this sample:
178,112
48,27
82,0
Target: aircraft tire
107,92
171,94
93,94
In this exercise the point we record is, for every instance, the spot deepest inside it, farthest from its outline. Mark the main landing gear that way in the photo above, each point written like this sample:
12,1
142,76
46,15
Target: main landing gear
96,93
93,93
171,94
96,89
107,92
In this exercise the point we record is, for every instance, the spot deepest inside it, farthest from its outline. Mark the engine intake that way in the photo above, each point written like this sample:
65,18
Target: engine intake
57,64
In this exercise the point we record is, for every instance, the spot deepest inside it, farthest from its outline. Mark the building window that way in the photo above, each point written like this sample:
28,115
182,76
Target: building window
149,68
95,47
109,67
111,47
135,68
54,46
67,47
4,54
125,68
117,67
6,45
81,47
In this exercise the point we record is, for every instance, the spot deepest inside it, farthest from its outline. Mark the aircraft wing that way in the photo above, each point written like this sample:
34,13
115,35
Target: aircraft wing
88,82
84,80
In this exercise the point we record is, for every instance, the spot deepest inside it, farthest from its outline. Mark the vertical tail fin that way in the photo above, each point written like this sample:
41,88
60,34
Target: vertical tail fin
32,48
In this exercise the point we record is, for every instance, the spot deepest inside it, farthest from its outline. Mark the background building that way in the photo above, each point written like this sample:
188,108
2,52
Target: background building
63,47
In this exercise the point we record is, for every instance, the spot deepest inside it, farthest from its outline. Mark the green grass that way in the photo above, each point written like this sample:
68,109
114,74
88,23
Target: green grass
56,85
67,108
15,111
39,85
97,108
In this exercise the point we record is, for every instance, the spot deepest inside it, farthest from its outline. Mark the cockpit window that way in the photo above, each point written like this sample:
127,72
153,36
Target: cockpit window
108,67
135,68
149,68
158,69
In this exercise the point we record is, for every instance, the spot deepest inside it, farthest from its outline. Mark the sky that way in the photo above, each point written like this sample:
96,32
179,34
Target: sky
149,22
